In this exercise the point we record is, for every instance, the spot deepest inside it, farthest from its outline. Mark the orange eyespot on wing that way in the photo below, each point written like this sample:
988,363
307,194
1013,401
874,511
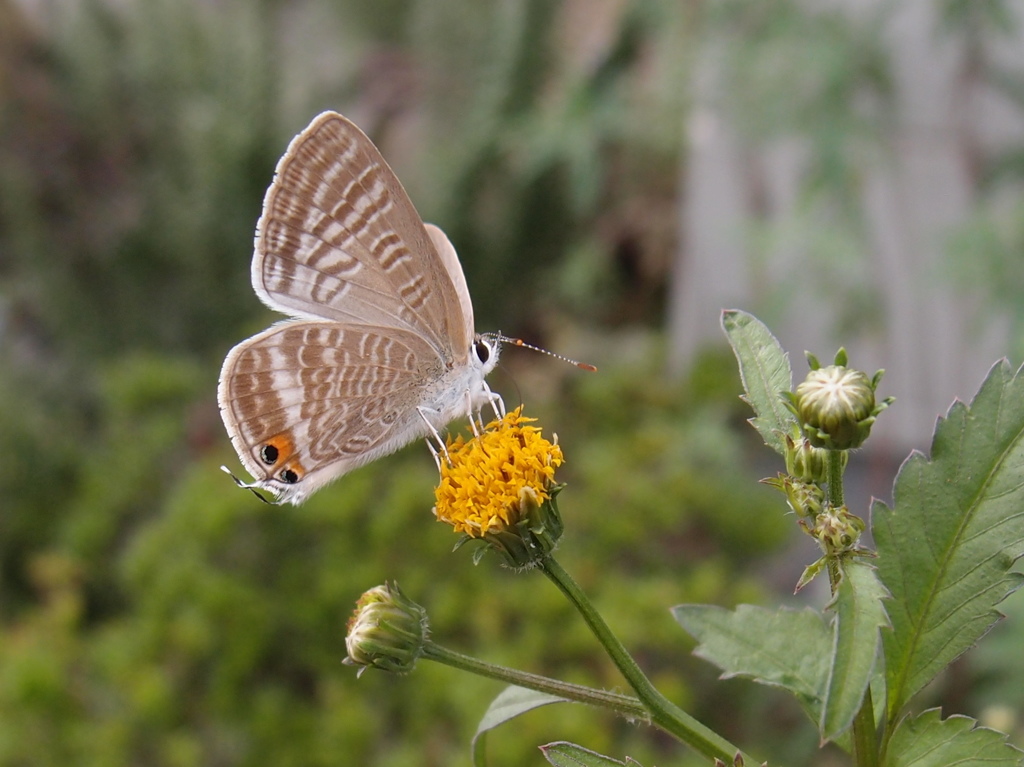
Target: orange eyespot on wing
291,473
278,455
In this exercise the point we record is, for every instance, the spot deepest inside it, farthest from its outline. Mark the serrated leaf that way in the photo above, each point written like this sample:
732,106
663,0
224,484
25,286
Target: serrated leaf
765,373
782,648
510,703
929,741
857,630
564,754
957,526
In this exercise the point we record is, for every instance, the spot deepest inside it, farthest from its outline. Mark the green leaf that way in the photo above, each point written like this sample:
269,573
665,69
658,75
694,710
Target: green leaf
510,703
784,648
765,372
957,526
859,619
478,749
929,741
562,754
811,572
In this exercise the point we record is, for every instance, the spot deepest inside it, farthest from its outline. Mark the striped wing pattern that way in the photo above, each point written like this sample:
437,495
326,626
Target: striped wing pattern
339,239
318,393
379,330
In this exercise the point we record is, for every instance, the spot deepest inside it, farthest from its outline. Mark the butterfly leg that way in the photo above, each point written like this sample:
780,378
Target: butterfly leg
440,449
435,454
476,422
477,400
493,399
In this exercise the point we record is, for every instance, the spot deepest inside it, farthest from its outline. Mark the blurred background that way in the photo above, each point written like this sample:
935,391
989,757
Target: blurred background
613,173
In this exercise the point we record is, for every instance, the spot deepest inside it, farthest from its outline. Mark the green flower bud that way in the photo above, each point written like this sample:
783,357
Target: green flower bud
387,631
804,498
806,462
837,530
836,405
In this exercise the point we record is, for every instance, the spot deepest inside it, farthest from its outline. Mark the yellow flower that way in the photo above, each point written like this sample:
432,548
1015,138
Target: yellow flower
489,482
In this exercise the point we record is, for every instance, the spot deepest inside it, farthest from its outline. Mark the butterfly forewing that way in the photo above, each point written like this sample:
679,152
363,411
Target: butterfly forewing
339,239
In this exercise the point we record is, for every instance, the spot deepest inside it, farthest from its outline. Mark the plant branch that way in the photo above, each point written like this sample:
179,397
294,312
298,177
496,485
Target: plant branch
662,712
865,746
626,705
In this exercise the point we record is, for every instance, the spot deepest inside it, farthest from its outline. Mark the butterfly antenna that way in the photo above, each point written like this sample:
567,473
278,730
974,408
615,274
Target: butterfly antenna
243,485
521,342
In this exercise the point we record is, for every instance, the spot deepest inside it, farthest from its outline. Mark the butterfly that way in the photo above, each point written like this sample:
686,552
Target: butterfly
378,349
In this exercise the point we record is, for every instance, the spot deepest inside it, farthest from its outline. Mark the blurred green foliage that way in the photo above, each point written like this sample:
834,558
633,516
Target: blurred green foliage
154,614
197,625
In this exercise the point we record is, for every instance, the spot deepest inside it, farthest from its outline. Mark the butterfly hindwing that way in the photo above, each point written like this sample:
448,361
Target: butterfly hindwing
308,401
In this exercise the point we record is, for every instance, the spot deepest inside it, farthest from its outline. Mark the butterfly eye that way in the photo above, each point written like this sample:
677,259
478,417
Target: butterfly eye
482,351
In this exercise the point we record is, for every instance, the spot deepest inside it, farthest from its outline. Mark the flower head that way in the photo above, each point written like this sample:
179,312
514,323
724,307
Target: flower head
386,631
837,530
499,486
806,499
836,404
806,462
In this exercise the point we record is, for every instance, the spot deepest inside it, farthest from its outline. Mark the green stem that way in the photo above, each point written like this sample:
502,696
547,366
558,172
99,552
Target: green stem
865,745
663,713
621,704
834,477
